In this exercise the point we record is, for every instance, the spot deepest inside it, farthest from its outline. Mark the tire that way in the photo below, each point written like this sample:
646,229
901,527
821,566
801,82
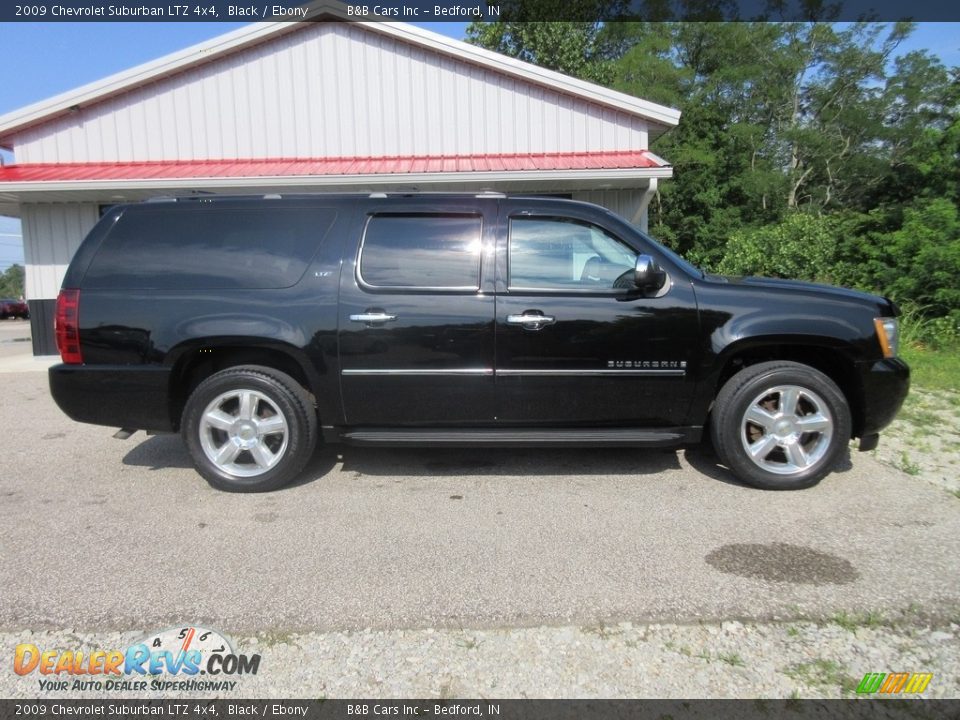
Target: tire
800,447
267,418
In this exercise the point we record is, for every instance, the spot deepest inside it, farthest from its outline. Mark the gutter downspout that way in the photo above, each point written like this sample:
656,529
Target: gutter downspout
640,217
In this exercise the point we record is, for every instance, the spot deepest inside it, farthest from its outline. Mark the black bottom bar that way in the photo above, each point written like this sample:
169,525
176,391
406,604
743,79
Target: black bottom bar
872,709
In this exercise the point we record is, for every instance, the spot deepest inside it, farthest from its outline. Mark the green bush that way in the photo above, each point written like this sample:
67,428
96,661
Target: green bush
918,329
802,247
924,257
911,254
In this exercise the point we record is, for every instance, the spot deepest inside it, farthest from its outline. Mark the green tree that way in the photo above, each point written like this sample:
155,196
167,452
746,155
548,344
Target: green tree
920,99
726,174
915,260
11,281
804,149
572,47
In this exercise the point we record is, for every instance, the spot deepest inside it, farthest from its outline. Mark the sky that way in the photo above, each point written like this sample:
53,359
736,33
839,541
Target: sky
44,59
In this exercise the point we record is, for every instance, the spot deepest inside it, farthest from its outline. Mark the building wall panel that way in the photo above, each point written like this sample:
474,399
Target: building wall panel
331,89
625,202
52,232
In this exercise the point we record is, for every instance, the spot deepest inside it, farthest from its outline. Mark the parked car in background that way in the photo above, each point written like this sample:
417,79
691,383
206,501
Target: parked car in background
11,308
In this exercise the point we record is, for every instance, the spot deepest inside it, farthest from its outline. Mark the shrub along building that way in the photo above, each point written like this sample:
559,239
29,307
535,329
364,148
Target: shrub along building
316,107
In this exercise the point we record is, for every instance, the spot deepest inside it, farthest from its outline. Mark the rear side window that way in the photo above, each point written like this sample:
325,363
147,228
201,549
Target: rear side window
209,247
438,252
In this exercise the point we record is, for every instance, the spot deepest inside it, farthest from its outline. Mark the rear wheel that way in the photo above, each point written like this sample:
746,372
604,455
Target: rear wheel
249,429
780,425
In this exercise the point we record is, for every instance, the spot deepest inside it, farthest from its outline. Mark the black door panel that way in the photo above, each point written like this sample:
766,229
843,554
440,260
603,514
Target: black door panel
580,351
603,361
432,364
418,355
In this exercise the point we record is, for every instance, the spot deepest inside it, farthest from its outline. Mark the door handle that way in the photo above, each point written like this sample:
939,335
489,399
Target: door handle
372,317
530,321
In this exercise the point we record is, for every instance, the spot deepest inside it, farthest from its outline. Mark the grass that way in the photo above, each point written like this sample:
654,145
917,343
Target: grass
601,631
853,622
933,369
732,659
273,638
918,415
470,643
822,673
848,685
908,465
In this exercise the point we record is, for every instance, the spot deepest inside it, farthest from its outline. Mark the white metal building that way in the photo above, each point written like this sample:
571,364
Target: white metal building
316,106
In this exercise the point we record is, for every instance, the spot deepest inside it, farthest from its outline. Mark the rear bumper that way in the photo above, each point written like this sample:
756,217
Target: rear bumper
126,396
885,385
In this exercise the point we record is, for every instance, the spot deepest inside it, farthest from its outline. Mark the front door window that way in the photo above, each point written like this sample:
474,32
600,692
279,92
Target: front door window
565,255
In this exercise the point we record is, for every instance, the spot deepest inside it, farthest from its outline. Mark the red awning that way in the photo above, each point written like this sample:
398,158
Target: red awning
305,167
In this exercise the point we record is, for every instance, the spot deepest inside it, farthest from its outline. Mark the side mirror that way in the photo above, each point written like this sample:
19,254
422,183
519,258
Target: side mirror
647,275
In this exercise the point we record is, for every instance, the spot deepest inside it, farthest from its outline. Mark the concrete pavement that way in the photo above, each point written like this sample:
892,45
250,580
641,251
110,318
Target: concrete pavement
101,534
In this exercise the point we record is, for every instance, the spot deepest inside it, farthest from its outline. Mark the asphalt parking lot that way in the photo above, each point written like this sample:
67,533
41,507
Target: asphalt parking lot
14,339
104,534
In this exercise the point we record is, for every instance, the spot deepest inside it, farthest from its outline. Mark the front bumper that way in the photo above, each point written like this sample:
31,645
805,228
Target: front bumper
125,396
884,384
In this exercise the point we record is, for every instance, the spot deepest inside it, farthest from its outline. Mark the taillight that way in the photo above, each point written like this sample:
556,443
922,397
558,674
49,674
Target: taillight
67,326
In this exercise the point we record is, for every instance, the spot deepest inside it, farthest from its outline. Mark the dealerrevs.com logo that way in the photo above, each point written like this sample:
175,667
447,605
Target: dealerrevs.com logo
172,660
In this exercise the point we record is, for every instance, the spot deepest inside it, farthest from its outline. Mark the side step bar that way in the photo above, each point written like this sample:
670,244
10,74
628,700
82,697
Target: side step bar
524,437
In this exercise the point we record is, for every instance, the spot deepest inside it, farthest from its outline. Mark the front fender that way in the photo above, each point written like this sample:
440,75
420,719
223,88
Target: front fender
828,335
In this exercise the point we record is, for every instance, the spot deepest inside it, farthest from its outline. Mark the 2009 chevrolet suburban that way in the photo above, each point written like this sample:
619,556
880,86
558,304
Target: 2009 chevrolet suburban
255,326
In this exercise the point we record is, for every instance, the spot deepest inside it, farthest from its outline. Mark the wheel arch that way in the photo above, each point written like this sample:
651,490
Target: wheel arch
833,359
198,361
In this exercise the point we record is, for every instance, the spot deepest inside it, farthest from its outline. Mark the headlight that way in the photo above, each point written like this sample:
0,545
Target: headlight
888,333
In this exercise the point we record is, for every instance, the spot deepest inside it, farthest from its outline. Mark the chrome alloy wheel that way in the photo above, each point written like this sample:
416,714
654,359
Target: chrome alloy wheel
786,429
243,433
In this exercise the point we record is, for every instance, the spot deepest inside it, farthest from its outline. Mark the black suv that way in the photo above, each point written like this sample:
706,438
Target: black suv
256,325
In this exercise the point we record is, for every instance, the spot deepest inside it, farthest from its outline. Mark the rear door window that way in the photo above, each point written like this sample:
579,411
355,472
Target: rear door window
170,247
421,251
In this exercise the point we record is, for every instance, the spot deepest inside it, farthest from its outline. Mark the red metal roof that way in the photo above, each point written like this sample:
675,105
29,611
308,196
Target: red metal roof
292,167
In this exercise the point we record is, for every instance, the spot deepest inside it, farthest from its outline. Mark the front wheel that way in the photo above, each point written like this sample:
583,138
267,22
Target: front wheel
780,425
249,429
